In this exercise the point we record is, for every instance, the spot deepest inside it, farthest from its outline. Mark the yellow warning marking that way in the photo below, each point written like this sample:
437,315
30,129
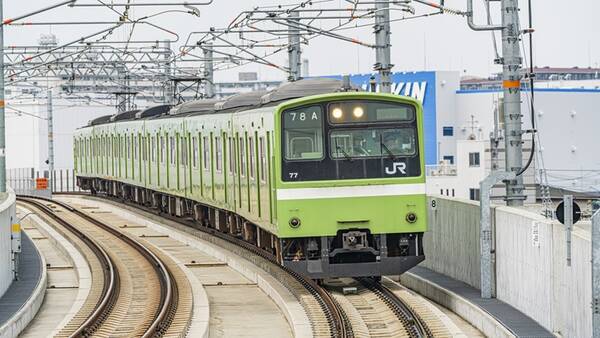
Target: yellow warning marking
16,227
1,103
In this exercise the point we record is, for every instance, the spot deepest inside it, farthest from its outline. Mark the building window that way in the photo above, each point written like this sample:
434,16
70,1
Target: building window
474,160
448,131
449,158
474,194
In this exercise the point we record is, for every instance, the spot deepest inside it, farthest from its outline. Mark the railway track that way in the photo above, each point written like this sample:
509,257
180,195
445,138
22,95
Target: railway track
412,322
330,322
120,305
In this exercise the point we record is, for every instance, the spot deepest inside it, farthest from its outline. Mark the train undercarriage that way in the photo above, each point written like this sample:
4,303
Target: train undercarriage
352,252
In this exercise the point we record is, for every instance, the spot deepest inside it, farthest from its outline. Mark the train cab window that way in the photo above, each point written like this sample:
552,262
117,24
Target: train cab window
195,152
303,133
172,149
206,153
242,157
251,156
372,142
218,154
263,159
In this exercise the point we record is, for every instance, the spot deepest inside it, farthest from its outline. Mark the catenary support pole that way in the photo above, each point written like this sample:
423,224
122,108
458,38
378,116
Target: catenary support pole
568,213
485,231
50,118
382,46
596,274
209,84
294,50
511,83
2,116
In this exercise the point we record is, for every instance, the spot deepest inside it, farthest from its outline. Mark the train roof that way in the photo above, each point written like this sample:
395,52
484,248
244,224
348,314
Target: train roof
237,102
153,111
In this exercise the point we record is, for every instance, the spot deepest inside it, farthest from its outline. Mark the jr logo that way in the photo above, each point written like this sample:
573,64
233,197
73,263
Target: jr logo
396,166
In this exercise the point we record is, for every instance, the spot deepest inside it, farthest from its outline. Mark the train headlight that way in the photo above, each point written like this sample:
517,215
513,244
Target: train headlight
295,222
337,113
358,112
411,217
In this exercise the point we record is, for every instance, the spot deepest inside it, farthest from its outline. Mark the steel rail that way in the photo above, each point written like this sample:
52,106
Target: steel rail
169,293
340,325
415,325
111,287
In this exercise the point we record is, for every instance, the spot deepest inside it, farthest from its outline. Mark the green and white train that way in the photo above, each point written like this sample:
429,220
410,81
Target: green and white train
331,181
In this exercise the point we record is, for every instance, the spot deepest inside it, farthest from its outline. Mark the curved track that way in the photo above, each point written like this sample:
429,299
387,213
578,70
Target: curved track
412,322
339,325
168,299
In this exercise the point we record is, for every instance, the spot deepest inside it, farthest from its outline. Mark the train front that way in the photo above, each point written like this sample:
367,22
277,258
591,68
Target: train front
350,184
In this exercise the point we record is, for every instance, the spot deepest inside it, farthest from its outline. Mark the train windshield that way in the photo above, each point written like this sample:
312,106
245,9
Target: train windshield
372,142
303,133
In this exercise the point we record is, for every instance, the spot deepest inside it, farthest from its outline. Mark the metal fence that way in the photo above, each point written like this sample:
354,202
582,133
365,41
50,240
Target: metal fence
24,181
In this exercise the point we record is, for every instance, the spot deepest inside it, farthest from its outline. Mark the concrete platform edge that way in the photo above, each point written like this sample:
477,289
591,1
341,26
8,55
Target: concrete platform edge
67,247
470,312
23,317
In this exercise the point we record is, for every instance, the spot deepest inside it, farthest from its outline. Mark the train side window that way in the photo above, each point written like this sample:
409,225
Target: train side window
172,149
128,140
231,155
162,149
184,151
195,152
206,153
219,154
152,149
135,147
263,158
242,157
251,155
145,148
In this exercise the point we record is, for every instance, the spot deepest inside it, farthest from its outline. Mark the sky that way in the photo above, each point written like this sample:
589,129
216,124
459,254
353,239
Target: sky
566,34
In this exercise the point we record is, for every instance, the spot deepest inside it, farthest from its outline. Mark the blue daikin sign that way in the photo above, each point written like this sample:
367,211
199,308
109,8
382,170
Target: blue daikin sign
418,85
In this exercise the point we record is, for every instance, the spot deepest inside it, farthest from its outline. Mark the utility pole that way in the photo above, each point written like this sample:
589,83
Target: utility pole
2,116
209,84
169,95
382,45
50,141
294,50
511,83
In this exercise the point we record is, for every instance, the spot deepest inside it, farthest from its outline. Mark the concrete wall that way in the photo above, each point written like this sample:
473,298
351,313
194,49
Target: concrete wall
533,276
531,268
7,217
452,242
